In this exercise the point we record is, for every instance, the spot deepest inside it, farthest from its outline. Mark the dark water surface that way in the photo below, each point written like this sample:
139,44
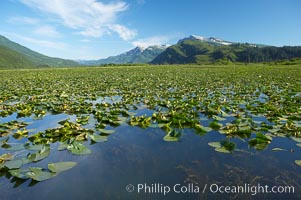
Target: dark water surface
140,156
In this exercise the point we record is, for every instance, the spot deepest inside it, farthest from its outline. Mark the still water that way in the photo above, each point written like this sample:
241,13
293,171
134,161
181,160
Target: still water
137,163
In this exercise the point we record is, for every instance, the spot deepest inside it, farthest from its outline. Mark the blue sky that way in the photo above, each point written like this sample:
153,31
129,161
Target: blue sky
93,29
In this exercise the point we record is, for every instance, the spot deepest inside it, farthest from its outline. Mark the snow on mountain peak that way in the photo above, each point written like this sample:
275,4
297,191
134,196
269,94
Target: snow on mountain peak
141,48
157,47
196,37
209,40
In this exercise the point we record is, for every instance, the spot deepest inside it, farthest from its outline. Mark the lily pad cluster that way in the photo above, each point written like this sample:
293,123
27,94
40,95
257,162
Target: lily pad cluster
254,104
40,174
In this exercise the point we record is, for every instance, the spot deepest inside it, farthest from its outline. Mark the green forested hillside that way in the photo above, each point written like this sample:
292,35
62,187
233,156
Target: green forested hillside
197,51
13,59
29,58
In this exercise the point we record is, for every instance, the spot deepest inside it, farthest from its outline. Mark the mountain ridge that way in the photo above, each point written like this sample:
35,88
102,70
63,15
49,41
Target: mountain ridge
34,58
212,40
190,50
201,50
134,56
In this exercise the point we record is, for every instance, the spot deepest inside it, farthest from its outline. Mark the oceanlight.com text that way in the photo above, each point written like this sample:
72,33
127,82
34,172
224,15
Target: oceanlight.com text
192,188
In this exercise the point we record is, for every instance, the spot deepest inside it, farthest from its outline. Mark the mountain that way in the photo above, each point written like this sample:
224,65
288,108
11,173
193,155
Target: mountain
197,49
136,55
14,55
211,40
13,59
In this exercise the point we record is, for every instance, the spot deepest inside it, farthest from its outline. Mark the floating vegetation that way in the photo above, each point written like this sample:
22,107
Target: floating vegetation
254,104
260,142
298,162
223,146
40,174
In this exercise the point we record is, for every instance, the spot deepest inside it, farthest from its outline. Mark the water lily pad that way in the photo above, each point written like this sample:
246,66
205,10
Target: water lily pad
20,134
224,114
62,146
278,149
260,142
83,119
38,174
215,125
78,149
202,129
173,136
106,131
15,147
40,155
222,150
98,138
60,166
218,118
298,162
6,156
223,146
215,144
28,159
296,139
19,173
37,147
81,137
14,164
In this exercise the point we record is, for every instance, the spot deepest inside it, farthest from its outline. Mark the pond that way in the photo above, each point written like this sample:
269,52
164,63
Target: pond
177,139
133,155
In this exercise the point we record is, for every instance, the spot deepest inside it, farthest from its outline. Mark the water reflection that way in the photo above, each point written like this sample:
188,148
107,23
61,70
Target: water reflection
137,156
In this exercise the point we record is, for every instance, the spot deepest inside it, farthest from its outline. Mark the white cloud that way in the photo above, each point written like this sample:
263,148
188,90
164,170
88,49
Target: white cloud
93,32
35,25
156,40
46,43
89,17
23,20
46,30
124,32
42,43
